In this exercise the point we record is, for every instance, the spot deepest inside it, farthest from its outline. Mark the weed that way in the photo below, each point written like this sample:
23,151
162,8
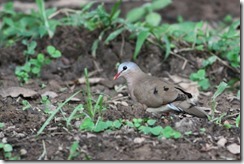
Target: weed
73,150
73,114
45,100
33,66
238,119
26,105
220,89
147,127
100,125
7,151
91,109
30,47
55,112
200,77
18,25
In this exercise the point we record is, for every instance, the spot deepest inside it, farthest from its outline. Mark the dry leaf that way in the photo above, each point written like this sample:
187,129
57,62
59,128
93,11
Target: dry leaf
75,99
222,141
139,140
93,80
234,148
17,91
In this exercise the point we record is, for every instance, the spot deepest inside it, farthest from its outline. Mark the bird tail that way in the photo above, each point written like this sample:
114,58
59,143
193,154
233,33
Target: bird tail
188,107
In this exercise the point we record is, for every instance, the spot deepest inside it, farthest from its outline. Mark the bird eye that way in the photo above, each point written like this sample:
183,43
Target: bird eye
124,68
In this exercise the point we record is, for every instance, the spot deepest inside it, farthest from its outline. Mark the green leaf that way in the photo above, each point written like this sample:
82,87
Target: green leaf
87,124
151,122
209,61
114,35
72,115
94,47
1,145
36,70
153,19
168,48
73,149
130,124
156,130
50,49
204,83
100,126
199,75
115,10
135,14
145,129
220,89
117,124
41,58
7,148
1,124
140,40
160,4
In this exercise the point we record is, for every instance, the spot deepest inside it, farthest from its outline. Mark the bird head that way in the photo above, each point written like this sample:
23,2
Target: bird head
125,69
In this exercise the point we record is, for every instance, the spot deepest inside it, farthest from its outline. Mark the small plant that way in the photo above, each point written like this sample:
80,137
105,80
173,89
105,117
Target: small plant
200,77
26,105
46,102
32,67
220,89
147,127
30,47
53,114
19,25
91,109
100,125
7,151
238,119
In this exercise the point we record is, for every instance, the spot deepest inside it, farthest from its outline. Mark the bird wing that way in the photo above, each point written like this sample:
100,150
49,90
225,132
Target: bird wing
155,92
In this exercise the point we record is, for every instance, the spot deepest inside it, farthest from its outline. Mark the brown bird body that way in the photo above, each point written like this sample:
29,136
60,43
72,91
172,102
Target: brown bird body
156,93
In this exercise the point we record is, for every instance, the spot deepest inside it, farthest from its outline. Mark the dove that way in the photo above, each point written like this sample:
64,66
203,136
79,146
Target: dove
157,94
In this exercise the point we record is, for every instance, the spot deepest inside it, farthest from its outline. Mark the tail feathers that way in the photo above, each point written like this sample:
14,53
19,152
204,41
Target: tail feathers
183,106
189,108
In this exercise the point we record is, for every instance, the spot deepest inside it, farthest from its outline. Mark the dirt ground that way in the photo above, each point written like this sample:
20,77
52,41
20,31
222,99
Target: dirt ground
75,44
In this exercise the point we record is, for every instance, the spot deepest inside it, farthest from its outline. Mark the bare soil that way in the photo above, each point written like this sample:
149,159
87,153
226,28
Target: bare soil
75,44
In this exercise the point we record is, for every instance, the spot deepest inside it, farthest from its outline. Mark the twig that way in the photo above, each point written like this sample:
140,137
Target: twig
65,11
185,60
225,64
44,153
229,116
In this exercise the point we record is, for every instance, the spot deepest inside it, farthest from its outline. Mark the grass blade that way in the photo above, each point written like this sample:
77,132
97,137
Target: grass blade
113,35
78,108
168,48
54,113
140,40
42,11
220,89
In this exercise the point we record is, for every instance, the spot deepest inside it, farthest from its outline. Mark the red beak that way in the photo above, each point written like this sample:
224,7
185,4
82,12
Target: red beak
117,75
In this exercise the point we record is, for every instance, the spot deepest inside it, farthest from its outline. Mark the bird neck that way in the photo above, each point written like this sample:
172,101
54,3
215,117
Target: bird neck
134,78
